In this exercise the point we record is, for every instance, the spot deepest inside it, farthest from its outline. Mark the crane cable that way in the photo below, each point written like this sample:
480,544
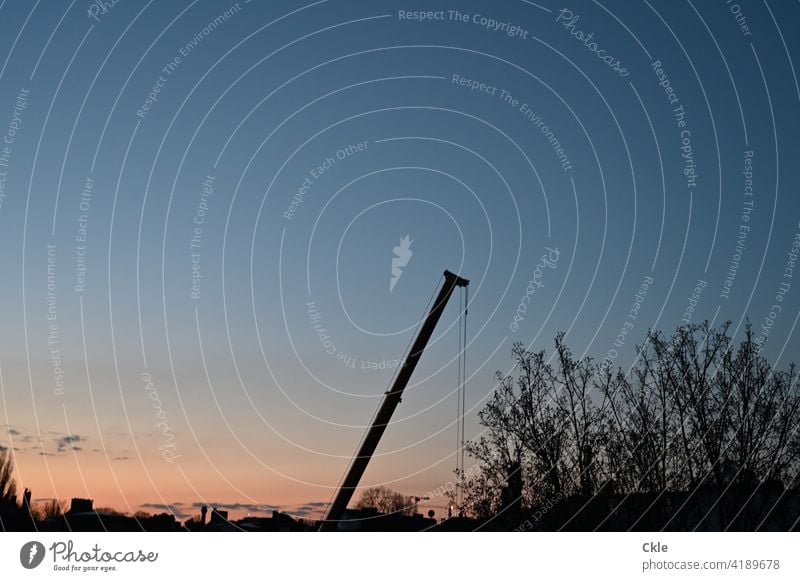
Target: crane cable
461,396
464,382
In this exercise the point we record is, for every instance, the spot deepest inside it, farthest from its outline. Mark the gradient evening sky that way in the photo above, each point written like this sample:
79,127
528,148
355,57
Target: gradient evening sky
261,413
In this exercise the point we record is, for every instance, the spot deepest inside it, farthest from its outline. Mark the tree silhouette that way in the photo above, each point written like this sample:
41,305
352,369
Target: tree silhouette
696,412
51,509
8,484
385,500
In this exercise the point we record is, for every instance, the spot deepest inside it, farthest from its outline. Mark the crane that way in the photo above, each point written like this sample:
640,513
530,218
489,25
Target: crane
390,401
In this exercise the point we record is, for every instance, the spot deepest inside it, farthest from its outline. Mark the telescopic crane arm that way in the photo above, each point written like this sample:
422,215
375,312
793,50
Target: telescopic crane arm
391,399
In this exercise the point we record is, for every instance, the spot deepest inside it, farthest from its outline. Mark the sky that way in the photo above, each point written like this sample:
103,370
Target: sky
200,205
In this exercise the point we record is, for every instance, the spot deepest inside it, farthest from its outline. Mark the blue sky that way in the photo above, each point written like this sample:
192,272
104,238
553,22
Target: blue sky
359,114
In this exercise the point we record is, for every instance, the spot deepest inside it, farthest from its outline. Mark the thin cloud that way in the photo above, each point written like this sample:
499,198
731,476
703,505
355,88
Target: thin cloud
315,504
265,508
68,441
176,508
309,509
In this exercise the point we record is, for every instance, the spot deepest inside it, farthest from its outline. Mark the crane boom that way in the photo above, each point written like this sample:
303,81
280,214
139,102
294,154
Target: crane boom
390,401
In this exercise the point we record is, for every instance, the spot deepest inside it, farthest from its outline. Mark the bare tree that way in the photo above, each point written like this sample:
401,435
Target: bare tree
481,494
109,511
520,452
536,421
8,484
575,382
644,424
696,409
691,361
385,500
765,410
51,508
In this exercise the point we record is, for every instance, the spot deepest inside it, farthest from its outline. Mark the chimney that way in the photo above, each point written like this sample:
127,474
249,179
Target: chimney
203,511
81,505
